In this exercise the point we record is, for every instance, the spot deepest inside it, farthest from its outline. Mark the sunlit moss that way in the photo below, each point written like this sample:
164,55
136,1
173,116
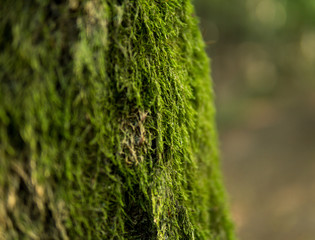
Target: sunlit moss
107,123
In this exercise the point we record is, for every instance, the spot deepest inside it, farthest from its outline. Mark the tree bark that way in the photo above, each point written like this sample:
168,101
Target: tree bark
107,123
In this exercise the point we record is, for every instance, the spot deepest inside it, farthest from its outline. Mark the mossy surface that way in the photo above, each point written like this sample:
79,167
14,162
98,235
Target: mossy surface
107,123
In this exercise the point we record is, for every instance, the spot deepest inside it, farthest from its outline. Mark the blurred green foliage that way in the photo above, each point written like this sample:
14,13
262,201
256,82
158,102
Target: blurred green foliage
263,58
260,48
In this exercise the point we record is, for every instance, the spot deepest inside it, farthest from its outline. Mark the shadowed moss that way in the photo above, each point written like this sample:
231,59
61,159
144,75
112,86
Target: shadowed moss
107,123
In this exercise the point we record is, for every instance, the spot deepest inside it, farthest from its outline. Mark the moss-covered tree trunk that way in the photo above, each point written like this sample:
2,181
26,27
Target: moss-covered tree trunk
107,123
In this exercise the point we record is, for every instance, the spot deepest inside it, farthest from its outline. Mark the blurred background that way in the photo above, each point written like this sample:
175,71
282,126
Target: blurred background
263,66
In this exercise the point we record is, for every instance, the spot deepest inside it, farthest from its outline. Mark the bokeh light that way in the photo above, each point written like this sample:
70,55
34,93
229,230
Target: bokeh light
263,56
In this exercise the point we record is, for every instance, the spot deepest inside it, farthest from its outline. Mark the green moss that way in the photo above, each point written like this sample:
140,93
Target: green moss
107,123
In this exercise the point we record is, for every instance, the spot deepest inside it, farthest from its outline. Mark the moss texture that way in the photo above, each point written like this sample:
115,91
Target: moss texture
107,123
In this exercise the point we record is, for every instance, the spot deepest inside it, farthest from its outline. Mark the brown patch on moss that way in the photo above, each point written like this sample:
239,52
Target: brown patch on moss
134,143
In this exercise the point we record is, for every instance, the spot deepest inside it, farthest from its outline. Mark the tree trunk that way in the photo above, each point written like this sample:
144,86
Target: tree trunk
107,123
